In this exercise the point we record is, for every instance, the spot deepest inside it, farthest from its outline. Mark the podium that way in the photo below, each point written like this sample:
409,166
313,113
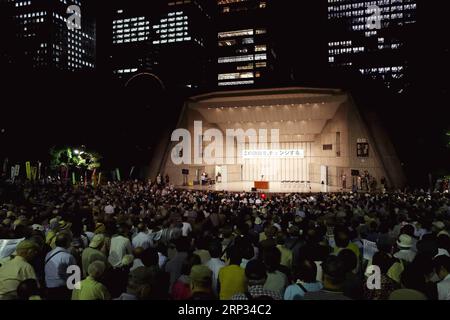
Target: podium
261,185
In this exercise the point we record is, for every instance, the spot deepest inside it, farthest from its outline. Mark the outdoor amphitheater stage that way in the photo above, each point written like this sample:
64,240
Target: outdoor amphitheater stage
319,135
274,187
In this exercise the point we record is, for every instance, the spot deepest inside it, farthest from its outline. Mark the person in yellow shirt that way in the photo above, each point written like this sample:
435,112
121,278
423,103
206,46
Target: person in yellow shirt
286,254
232,278
17,269
90,288
342,240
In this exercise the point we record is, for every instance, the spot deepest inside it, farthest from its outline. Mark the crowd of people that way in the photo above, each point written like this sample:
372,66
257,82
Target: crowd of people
135,240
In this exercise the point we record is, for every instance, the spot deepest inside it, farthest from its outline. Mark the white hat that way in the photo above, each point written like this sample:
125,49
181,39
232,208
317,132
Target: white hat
258,220
37,227
405,241
443,232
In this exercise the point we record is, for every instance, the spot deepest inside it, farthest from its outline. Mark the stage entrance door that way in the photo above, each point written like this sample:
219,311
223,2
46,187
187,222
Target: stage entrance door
223,172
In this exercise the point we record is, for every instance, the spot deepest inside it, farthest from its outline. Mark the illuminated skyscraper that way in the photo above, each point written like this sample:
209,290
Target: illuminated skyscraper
372,38
169,39
244,53
43,39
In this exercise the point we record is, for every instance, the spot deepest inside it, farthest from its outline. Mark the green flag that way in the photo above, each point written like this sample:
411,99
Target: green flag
28,169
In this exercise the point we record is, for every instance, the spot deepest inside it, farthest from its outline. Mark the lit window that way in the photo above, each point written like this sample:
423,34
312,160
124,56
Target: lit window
236,59
225,43
237,33
260,48
262,56
236,83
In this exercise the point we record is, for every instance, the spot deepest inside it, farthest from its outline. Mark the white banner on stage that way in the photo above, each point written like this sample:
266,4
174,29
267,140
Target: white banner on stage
278,154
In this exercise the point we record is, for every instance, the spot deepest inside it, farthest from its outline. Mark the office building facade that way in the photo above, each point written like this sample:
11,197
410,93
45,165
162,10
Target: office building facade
372,38
168,38
44,39
244,53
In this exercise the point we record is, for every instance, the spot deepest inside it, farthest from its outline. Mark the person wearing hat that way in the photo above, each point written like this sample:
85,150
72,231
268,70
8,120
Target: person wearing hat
90,288
17,269
37,227
100,228
443,232
404,245
54,227
93,252
256,274
201,283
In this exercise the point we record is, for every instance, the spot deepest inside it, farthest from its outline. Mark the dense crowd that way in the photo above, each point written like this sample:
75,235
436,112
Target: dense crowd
135,240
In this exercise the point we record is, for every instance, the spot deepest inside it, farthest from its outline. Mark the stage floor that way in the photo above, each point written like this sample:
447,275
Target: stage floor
275,187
